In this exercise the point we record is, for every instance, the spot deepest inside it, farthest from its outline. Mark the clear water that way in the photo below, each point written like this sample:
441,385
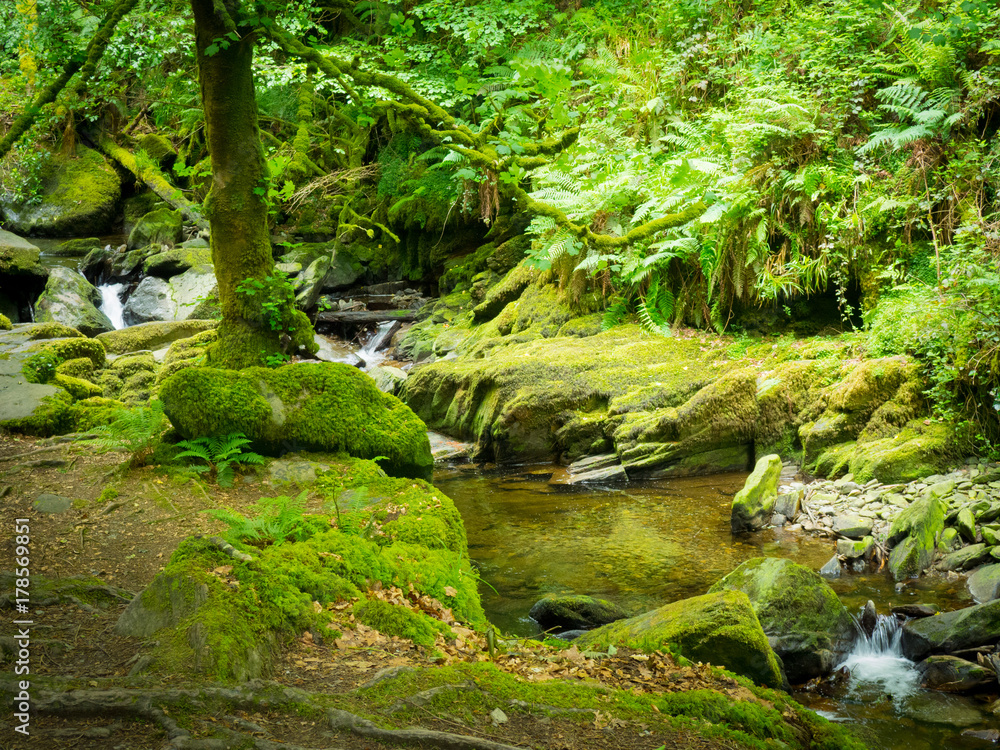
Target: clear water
644,545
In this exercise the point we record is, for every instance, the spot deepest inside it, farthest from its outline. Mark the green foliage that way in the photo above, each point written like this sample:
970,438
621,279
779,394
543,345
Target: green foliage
222,455
136,430
22,174
276,520
275,296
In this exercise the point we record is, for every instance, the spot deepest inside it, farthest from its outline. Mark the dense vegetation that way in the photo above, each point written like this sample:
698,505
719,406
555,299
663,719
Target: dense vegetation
762,164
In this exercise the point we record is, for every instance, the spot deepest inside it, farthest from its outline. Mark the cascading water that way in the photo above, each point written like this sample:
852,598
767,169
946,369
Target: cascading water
111,304
371,352
877,665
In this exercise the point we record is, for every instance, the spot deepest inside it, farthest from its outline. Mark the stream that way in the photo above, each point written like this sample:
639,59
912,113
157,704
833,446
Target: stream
646,544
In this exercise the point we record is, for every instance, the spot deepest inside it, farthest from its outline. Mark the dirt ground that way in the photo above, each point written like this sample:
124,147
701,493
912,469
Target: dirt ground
124,536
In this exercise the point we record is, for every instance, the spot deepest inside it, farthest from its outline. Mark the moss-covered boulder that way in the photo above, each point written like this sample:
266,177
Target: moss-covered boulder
952,631
984,583
752,505
720,628
152,336
77,247
801,615
161,226
222,611
73,301
175,261
914,535
22,277
80,196
575,612
31,408
324,407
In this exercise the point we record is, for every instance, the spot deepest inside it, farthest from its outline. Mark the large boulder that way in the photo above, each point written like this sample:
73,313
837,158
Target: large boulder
984,583
914,534
176,261
720,628
799,612
187,295
80,196
162,226
753,504
22,277
323,407
575,612
150,336
151,301
952,631
72,300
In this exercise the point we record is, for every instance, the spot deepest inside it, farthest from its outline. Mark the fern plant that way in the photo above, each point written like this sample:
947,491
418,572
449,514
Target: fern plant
220,454
135,430
276,520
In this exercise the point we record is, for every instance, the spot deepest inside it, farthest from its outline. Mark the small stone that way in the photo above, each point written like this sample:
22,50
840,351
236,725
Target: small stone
853,527
966,525
48,503
498,716
831,569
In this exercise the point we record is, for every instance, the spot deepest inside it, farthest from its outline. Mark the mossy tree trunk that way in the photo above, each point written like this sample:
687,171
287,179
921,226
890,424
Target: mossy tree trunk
241,245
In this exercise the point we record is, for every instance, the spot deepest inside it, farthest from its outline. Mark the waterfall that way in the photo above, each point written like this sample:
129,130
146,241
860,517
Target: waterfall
370,352
111,303
876,662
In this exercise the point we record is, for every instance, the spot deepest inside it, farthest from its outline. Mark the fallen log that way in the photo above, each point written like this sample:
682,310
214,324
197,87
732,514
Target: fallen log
360,317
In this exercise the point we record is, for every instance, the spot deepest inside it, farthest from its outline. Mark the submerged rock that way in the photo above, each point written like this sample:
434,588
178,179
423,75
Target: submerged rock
323,407
720,628
801,615
753,504
575,612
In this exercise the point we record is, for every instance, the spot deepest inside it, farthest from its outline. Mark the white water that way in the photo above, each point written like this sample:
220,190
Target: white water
373,352
111,304
877,664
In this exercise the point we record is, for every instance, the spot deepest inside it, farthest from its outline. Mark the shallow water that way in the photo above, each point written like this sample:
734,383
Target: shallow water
645,545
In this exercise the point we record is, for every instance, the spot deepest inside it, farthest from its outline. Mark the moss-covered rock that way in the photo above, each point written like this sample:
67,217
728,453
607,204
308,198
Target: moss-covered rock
22,277
62,350
752,505
388,533
914,535
29,407
176,261
325,407
130,364
152,336
89,413
720,628
81,193
5,324
77,247
78,388
952,631
797,609
506,292
159,148
73,301
161,226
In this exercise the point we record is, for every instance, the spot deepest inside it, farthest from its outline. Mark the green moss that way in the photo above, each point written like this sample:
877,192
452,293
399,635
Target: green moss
396,620
918,450
752,505
93,412
53,416
915,534
52,330
152,336
326,407
81,367
161,226
720,628
5,324
129,365
78,388
67,349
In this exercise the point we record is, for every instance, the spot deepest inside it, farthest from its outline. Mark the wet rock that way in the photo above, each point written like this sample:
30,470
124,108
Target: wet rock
953,675
868,619
938,708
915,534
149,302
388,379
915,611
799,612
444,448
986,735
176,261
162,226
753,505
856,550
575,612
788,503
966,525
853,527
984,583
966,558
952,631
950,540
831,569
72,300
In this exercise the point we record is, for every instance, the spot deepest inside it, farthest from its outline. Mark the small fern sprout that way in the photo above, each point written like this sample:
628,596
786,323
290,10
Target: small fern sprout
276,520
135,430
220,454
